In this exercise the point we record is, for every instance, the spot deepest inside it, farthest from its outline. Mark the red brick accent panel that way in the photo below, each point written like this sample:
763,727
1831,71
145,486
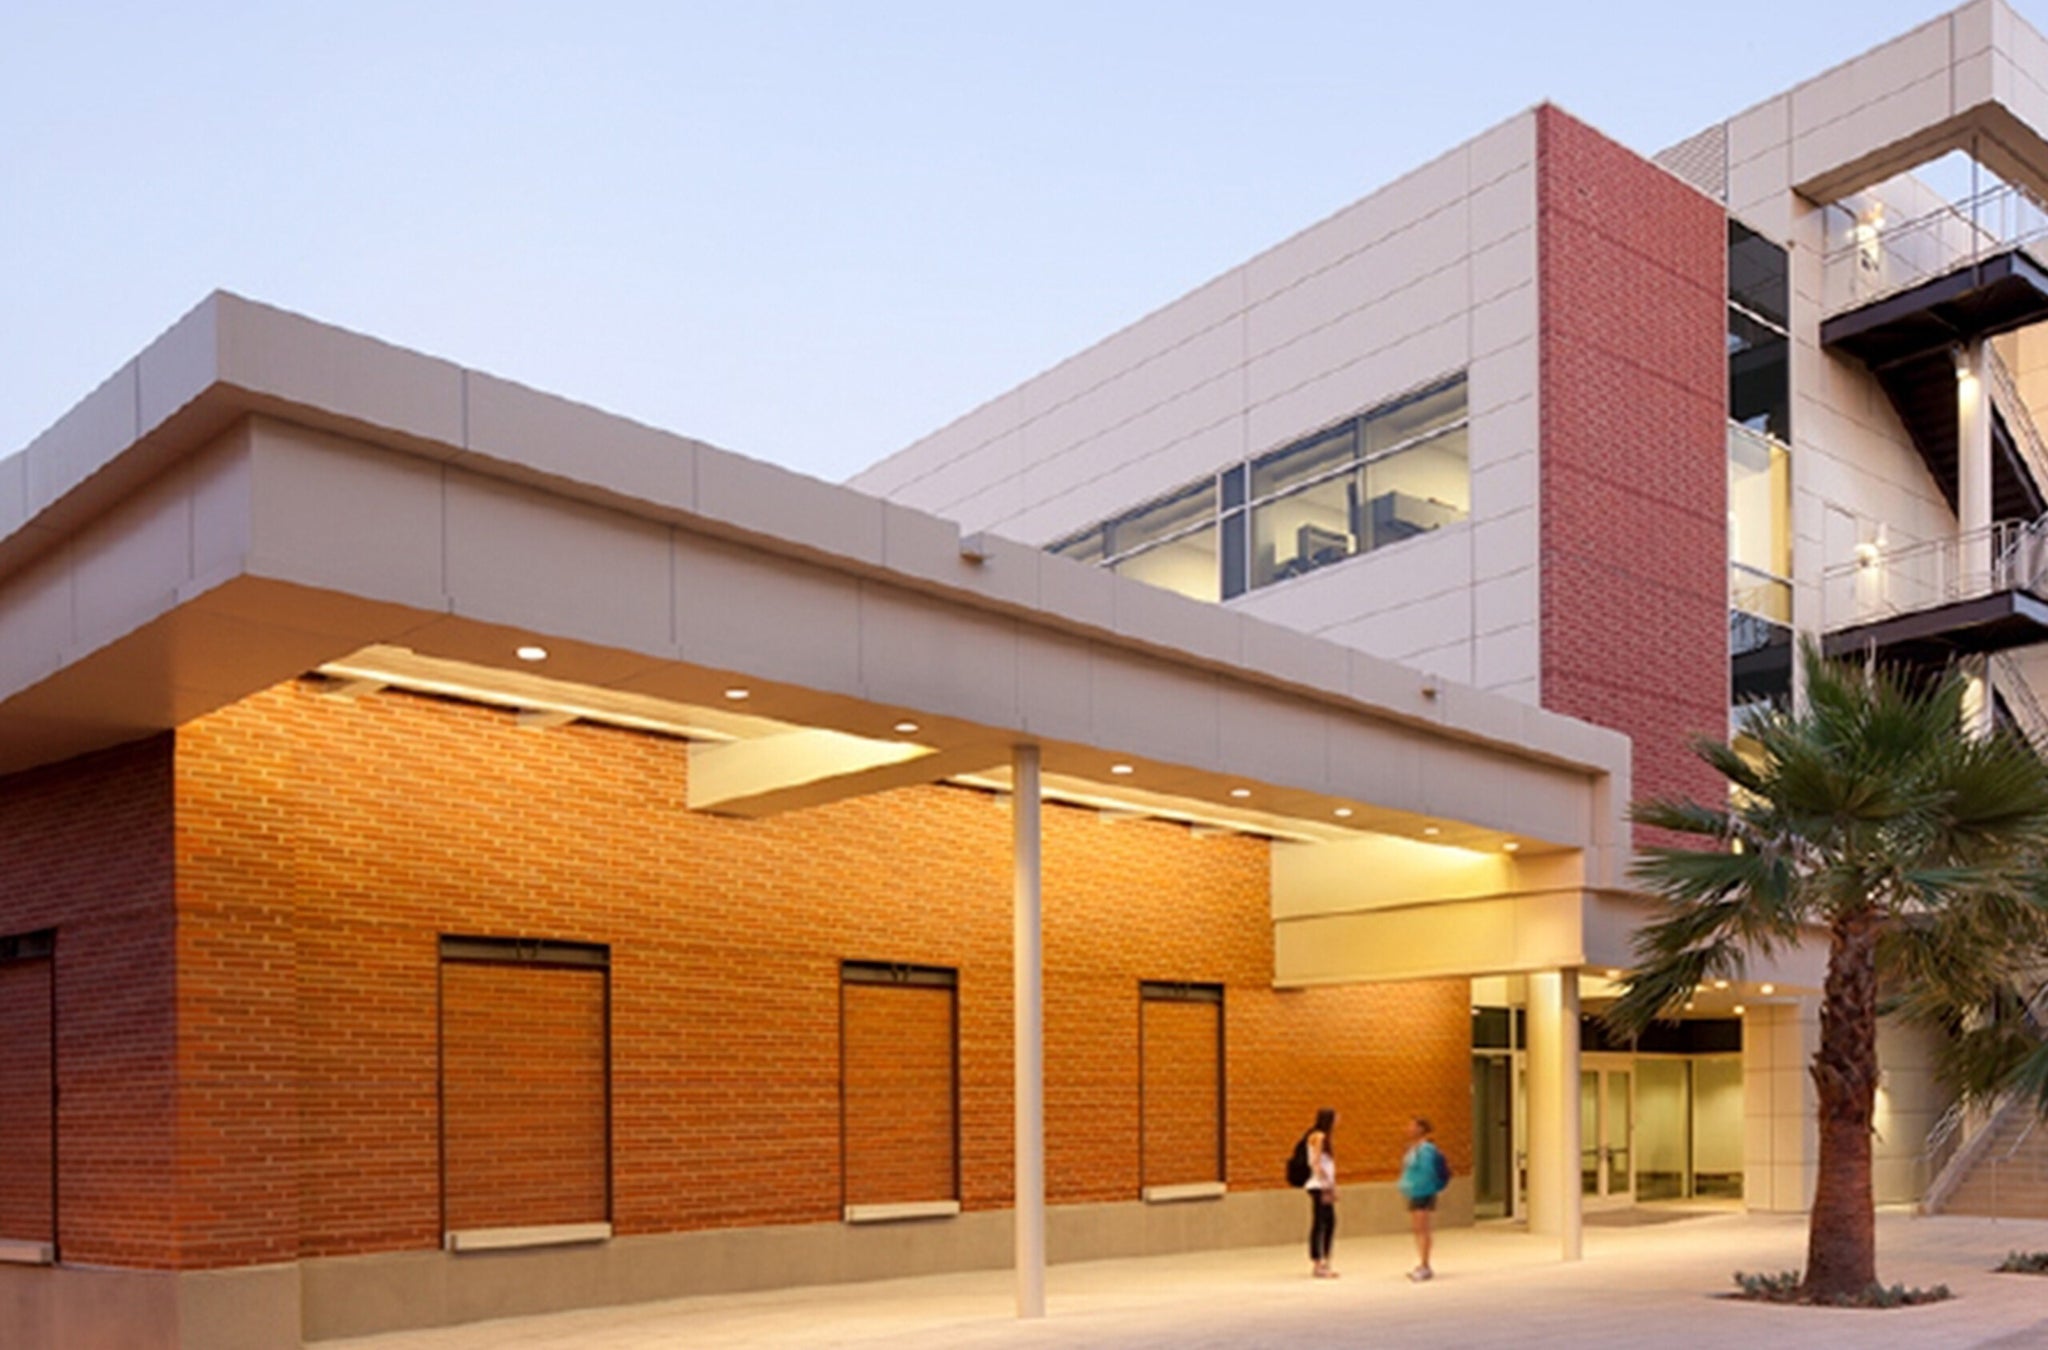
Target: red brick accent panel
27,1093
86,848
899,1122
1183,1091
325,845
523,1095
1634,372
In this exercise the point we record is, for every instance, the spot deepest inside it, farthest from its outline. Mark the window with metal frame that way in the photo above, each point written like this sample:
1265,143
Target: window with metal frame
525,1038
899,1100
1181,1098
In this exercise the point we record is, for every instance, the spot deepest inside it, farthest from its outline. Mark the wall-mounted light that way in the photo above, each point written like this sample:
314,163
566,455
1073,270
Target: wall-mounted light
1868,553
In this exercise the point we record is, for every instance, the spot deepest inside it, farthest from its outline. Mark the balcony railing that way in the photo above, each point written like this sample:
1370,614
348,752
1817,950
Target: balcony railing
1868,259
1879,583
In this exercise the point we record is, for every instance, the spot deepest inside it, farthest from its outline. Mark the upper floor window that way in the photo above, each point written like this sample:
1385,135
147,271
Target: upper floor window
1388,474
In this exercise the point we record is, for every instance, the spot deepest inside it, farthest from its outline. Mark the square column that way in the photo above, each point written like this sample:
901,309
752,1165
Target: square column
1028,971
1553,1067
1781,1134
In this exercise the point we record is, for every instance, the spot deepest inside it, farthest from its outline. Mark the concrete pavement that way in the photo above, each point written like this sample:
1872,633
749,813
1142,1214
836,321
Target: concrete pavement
1657,1283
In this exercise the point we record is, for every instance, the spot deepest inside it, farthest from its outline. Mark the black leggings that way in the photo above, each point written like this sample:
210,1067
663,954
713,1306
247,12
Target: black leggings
1322,1227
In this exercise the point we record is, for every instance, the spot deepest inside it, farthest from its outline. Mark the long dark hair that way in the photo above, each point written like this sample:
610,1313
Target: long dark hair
1325,1120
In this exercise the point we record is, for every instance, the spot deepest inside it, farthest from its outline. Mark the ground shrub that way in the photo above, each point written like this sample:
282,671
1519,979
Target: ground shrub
1784,1287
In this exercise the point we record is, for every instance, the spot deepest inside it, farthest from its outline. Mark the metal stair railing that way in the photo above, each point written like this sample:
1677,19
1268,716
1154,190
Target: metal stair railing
2009,682
1961,1136
2005,396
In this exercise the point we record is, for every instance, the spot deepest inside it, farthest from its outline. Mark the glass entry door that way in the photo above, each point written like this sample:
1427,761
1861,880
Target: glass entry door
1607,1131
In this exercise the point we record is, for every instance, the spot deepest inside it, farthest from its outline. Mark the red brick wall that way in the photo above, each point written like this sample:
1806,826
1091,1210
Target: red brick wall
1633,267
86,848
322,847
523,1095
26,1096
1183,1091
898,1093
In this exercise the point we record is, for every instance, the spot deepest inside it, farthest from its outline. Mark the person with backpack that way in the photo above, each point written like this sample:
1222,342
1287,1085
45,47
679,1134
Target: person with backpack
1313,1167
1424,1174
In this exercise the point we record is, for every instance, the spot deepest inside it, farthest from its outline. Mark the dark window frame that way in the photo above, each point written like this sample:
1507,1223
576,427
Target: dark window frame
533,954
39,945
906,975
1189,991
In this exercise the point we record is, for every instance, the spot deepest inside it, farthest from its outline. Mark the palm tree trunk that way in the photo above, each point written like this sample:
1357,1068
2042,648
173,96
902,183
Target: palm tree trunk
1841,1242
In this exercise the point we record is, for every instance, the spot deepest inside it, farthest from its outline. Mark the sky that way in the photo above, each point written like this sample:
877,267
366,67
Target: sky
808,232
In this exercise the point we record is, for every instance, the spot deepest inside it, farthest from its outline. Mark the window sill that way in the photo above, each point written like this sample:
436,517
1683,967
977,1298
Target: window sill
917,1209
1191,1190
539,1235
15,1253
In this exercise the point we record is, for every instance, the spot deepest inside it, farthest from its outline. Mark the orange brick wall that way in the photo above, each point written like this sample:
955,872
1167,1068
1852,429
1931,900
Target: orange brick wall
86,848
1182,1091
323,846
523,1095
899,1094
25,1099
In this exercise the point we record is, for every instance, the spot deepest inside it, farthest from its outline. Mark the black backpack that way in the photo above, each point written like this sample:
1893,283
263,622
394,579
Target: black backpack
1298,1171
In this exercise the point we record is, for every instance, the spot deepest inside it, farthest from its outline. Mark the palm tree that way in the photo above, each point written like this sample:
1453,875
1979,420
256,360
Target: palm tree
1868,815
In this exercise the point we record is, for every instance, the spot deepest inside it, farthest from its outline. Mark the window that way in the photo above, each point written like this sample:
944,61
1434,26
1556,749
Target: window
1389,474
1180,1066
1759,476
525,1090
28,1097
899,1090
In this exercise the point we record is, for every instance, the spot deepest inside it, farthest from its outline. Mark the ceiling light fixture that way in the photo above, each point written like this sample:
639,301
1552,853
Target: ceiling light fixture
1342,813
906,728
1121,769
1511,847
1240,793
1431,831
1767,988
531,653
1740,1010
739,695
1720,984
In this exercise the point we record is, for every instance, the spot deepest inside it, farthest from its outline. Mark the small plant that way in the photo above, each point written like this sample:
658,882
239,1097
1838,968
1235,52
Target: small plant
1786,1287
2024,1263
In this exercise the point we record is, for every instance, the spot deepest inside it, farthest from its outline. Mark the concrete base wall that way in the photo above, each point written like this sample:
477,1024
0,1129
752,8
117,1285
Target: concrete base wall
83,1308
274,1307
356,1296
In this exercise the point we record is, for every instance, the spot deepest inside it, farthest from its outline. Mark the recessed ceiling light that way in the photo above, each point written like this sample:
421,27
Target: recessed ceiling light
1342,813
738,695
906,728
531,653
1511,847
1123,768
1688,1005
1740,1010
1767,988
1431,831
1720,984
1613,974
1240,792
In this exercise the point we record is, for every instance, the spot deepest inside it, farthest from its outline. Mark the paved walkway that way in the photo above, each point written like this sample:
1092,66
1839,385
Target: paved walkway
1655,1284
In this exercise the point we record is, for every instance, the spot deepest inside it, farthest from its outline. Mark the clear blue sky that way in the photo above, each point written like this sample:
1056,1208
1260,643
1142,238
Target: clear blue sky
808,232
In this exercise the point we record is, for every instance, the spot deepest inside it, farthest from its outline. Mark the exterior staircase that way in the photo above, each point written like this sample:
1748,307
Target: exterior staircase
2009,1177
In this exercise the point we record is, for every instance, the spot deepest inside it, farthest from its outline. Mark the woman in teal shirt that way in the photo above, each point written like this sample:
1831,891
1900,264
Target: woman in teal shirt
1423,1175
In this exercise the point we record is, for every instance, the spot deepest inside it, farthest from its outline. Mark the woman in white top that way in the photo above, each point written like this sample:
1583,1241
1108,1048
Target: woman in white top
1322,1194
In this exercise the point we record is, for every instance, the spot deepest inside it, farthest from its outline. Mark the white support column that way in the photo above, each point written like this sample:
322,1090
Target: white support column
1554,1199
1027,961
1973,465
